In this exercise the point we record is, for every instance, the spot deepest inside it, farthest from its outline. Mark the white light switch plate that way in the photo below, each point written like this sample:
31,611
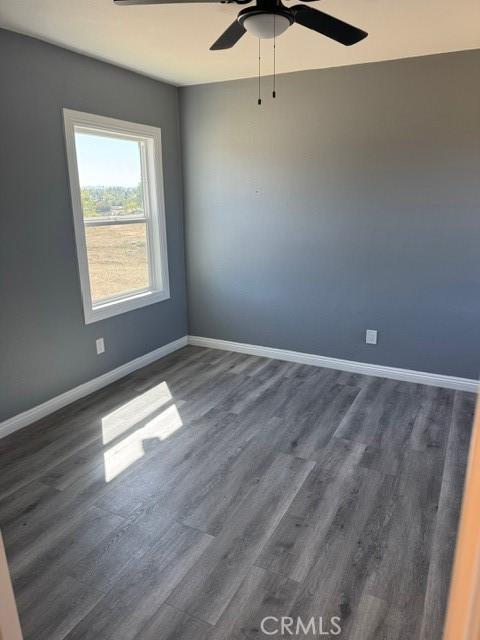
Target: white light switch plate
100,346
371,336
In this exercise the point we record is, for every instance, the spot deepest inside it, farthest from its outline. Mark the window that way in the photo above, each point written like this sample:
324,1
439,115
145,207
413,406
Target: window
116,184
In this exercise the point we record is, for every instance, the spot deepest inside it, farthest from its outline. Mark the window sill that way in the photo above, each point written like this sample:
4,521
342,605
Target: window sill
117,307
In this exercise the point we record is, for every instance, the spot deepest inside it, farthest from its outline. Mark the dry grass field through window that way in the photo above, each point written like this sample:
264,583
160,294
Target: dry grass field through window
117,259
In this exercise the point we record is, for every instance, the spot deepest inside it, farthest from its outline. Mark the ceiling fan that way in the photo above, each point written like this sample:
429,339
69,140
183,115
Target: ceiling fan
270,18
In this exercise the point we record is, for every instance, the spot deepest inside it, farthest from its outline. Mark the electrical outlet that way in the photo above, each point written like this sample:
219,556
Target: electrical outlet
100,346
371,336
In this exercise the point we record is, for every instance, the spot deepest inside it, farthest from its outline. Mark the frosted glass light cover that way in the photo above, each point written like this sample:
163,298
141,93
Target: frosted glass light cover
266,25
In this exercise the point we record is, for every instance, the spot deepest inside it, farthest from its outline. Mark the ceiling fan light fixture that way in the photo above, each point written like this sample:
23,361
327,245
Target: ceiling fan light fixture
271,18
266,25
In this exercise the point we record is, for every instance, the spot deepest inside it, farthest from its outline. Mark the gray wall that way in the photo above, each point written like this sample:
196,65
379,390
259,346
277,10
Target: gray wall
45,346
352,201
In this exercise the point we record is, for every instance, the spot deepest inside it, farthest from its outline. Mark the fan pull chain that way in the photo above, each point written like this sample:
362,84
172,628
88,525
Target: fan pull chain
259,97
274,93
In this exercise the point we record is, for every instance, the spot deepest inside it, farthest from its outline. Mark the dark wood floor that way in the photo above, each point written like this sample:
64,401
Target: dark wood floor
212,489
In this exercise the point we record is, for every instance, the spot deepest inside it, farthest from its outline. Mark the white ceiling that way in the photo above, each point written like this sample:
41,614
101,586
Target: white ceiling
171,42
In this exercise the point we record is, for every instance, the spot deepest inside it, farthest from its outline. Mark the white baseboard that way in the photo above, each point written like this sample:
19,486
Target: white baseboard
407,375
40,411
50,406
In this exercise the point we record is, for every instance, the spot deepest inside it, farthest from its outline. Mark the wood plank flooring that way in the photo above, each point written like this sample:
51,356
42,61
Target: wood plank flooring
211,489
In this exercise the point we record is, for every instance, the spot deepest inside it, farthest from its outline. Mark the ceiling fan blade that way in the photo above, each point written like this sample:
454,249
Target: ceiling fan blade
327,25
229,37
126,3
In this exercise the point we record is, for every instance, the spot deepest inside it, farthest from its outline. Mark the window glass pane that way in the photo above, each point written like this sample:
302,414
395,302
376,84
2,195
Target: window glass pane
110,173
117,259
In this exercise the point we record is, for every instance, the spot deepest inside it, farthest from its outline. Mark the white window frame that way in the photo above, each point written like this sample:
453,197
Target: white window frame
152,168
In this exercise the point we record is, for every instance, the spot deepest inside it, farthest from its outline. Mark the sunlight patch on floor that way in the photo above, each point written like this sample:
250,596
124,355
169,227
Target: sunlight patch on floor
129,414
129,450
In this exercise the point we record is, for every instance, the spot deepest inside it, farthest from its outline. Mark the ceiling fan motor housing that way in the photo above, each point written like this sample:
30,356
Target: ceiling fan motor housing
268,19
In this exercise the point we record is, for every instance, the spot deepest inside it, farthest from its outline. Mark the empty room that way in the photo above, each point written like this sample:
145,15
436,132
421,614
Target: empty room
239,319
